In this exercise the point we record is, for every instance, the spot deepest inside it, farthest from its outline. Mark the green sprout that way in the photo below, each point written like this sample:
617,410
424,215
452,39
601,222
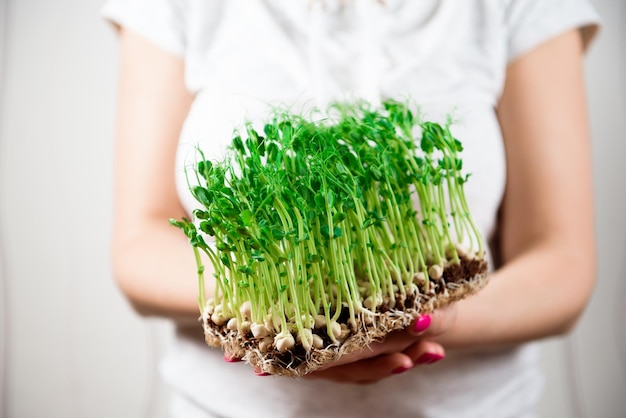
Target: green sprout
317,224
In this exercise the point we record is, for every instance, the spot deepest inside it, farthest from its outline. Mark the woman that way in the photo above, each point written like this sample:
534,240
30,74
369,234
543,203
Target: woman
510,71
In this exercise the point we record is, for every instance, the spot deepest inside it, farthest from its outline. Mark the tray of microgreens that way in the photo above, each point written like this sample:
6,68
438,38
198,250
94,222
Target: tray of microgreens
327,233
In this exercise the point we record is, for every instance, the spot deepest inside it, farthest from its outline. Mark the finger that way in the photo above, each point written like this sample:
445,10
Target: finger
425,352
231,358
394,342
366,371
435,323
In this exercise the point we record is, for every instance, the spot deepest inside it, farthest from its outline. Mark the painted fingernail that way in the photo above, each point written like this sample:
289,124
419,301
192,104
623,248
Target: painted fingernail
421,324
229,359
259,373
429,358
400,369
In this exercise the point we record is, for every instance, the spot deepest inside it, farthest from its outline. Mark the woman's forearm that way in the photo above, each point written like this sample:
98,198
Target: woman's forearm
539,294
156,270
152,262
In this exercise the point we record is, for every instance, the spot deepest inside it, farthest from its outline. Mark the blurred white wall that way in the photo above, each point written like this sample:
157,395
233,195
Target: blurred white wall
69,344
73,346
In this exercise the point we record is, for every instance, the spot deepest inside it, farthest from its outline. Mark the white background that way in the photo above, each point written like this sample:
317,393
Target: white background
69,344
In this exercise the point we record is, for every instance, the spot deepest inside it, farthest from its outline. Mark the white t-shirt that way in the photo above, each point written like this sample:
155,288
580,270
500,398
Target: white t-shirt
450,56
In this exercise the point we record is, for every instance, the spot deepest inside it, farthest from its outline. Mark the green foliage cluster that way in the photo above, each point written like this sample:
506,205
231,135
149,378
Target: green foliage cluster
308,212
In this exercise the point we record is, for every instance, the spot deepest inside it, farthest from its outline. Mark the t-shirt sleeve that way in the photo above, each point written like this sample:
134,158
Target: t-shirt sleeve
529,23
161,22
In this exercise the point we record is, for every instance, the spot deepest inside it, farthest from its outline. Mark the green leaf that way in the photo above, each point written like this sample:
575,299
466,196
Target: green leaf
245,270
202,195
376,173
238,145
330,198
341,169
427,143
206,227
367,223
197,241
270,131
258,255
320,202
313,258
338,217
205,168
278,234
200,214
177,224
246,217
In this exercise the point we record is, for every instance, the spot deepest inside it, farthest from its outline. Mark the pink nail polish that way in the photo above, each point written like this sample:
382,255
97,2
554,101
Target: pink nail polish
259,373
400,369
421,324
231,359
429,358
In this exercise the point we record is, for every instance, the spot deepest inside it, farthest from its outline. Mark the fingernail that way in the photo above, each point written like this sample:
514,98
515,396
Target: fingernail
400,369
429,358
258,373
421,324
231,359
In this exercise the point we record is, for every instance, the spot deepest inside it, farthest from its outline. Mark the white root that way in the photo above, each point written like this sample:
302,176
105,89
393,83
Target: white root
284,342
259,330
368,317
